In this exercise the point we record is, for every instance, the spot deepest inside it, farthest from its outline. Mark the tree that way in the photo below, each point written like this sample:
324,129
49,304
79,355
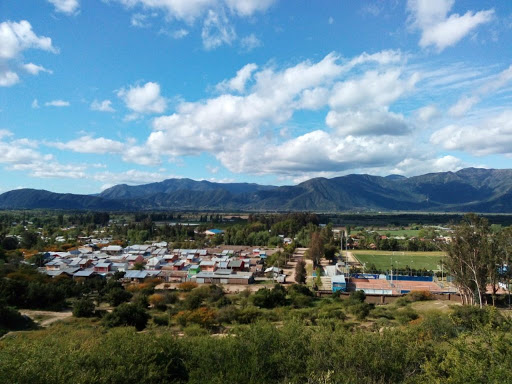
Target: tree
117,296
83,308
316,248
300,272
468,258
127,314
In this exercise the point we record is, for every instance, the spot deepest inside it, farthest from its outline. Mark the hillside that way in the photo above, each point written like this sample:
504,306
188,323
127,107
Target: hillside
471,189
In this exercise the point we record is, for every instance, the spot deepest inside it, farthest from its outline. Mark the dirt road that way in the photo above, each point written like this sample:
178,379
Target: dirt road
45,318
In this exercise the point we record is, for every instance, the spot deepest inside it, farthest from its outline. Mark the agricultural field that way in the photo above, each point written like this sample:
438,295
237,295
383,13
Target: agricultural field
398,232
415,260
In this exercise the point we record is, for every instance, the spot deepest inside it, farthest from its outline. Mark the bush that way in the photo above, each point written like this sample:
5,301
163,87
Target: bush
83,308
205,317
194,330
127,314
117,296
470,318
360,310
228,314
158,301
162,320
187,286
419,296
266,298
405,315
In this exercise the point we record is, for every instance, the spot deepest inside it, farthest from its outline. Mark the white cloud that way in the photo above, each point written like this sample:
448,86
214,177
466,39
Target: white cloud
102,106
248,43
89,144
35,104
217,30
440,29
422,165
139,20
249,7
143,99
330,20
179,34
367,122
238,82
16,37
68,7
491,85
57,103
489,136
34,69
132,177
427,113
8,78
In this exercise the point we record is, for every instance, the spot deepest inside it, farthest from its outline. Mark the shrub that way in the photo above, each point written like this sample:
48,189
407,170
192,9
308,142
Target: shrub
158,301
360,310
83,308
419,296
205,317
118,296
194,330
162,320
127,314
266,298
187,286
405,315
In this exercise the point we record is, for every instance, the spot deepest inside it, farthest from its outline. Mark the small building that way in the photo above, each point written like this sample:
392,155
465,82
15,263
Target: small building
102,267
339,283
213,232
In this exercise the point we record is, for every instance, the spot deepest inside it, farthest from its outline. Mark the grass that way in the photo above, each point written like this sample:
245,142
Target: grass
417,260
398,232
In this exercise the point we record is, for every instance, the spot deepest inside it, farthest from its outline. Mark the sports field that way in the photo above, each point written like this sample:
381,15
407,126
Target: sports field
415,260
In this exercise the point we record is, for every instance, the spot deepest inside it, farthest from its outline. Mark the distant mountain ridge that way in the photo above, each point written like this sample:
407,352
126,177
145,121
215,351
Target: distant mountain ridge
470,189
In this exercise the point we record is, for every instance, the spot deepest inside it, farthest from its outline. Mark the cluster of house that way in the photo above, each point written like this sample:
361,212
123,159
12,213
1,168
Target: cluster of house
141,261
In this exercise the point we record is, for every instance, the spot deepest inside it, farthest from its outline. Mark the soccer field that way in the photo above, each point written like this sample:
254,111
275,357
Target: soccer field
415,260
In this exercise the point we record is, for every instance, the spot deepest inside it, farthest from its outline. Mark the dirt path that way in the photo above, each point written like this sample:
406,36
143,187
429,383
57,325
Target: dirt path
352,261
45,318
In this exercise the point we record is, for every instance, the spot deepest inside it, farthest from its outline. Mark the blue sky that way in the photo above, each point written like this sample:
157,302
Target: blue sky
101,92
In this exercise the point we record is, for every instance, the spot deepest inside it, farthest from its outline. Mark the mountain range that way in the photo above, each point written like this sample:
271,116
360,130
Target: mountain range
470,189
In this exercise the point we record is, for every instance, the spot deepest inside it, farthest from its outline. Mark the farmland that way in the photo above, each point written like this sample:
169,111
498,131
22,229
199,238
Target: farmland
416,260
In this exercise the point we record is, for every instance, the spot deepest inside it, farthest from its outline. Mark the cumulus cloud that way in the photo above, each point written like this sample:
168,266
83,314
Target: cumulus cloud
8,78
132,177
34,69
57,103
439,29
22,155
238,82
367,122
427,113
143,99
89,144
423,164
489,136
102,106
69,7
16,37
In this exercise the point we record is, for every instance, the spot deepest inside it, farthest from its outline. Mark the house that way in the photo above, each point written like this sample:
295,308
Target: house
178,265
236,265
113,250
155,263
85,274
102,267
208,265
134,259
223,276
194,270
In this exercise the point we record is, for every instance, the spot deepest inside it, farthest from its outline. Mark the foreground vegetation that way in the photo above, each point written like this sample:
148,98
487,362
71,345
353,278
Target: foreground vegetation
464,345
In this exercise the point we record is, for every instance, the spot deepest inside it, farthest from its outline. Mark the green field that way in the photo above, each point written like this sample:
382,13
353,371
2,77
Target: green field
415,260
398,232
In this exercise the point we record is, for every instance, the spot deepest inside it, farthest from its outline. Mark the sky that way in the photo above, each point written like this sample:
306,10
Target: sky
102,92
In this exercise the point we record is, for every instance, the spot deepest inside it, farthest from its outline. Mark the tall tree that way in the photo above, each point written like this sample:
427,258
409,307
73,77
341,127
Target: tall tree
469,256
300,272
316,248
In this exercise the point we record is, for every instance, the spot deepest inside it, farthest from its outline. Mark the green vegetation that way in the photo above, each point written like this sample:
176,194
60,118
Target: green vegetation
401,260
